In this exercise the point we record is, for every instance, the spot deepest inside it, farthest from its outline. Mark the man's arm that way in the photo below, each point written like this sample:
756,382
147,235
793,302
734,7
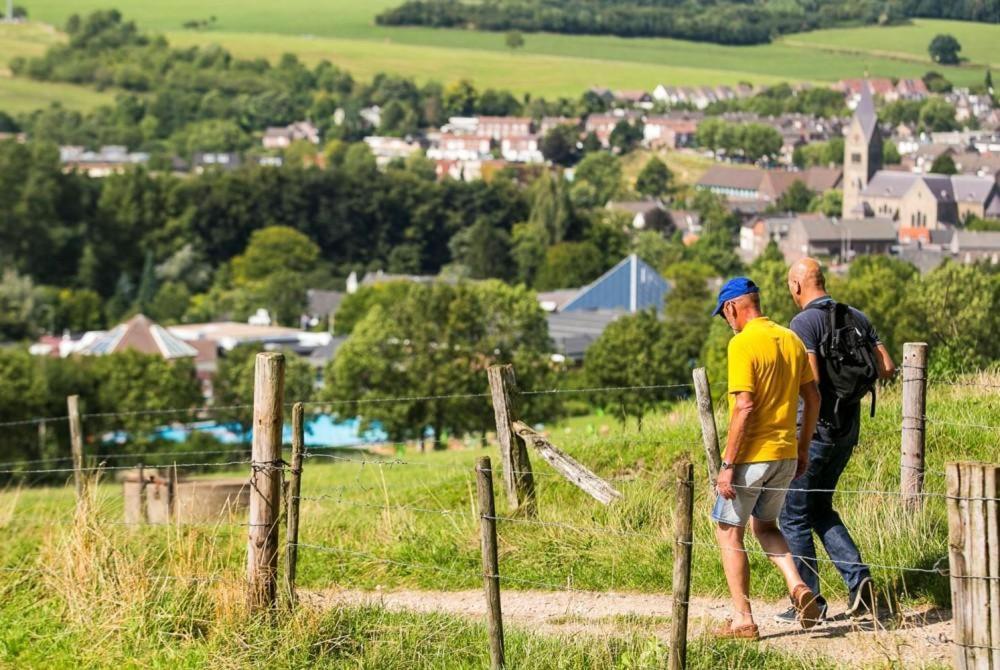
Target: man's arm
883,361
809,392
742,411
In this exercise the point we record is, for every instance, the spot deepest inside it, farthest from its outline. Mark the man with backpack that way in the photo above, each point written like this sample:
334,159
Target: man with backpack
847,358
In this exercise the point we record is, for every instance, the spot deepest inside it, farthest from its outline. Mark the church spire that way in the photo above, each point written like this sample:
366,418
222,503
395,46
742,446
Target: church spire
865,111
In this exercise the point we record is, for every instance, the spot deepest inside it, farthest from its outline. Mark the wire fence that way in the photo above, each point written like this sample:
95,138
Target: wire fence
938,568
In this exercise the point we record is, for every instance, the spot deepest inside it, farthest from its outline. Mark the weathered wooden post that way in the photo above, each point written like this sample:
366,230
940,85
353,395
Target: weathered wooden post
911,467
491,568
265,480
682,564
517,475
76,443
974,563
709,431
292,504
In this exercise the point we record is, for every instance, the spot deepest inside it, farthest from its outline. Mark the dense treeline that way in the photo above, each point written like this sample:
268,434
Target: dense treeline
725,22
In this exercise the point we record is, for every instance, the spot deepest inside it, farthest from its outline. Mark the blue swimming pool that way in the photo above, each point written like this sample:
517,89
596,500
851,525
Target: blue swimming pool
320,431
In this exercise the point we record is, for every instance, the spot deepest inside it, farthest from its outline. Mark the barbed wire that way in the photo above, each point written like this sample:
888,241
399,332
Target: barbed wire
960,424
146,454
128,467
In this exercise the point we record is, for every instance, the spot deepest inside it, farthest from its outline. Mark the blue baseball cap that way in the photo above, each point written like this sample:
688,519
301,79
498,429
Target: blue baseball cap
734,288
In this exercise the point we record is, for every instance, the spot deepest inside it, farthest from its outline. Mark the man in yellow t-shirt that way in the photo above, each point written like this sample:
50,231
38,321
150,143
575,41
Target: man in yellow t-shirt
768,372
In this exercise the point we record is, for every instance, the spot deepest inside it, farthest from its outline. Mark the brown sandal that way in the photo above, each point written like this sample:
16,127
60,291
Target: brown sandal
806,606
728,632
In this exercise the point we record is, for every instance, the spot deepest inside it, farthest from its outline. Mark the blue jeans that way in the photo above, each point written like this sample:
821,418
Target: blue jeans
806,513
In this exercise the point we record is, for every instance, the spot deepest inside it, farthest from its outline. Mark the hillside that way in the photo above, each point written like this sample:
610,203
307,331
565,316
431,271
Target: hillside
410,523
548,64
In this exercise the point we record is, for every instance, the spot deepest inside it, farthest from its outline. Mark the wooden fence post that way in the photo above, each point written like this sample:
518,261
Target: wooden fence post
292,505
491,568
709,431
974,563
517,475
911,466
682,564
265,480
76,443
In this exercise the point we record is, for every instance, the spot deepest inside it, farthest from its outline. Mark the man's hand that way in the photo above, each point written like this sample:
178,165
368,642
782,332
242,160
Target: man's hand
802,466
724,484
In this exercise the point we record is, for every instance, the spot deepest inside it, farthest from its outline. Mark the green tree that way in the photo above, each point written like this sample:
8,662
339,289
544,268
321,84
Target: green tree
147,285
18,298
133,382
483,249
274,249
937,115
688,308
657,250
603,173
795,199
568,265
529,242
957,312
944,49
460,98
78,310
356,305
559,145
944,164
828,203
890,153
437,341
654,179
514,40
170,303
625,136
23,393
635,350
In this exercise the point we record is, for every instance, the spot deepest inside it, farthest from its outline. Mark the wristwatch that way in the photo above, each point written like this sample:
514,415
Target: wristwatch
726,466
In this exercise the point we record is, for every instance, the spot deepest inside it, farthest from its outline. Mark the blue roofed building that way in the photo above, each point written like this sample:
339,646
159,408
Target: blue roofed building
577,317
632,285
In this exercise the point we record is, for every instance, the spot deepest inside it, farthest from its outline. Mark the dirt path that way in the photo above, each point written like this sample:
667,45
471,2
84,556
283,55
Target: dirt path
921,638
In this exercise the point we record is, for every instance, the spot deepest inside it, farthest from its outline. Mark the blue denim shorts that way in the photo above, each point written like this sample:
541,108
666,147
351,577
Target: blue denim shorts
748,481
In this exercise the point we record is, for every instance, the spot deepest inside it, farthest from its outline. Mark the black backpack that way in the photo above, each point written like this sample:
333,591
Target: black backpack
848,358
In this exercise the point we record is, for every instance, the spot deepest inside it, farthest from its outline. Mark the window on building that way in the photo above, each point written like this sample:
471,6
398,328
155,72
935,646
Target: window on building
855,158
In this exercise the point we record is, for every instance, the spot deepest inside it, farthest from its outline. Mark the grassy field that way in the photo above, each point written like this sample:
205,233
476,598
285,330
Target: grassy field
24,95
344,31
414,525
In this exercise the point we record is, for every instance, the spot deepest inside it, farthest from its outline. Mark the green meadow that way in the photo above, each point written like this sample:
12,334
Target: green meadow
87,587
344,32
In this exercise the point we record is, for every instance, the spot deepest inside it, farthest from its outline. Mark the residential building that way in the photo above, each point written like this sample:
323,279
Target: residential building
549,122
758,232
521,149
602,125
282,137
388,149
112,159
499,127
139,334
640,99
631,285
841,240
448,146
669,132
968,246
203,161
767,186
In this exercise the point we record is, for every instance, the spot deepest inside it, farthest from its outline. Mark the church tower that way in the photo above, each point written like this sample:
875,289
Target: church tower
862,154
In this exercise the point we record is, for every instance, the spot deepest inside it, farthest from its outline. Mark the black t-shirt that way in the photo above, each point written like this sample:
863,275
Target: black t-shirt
812,325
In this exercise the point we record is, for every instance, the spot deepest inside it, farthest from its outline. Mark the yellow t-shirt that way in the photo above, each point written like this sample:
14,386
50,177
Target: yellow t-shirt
771,363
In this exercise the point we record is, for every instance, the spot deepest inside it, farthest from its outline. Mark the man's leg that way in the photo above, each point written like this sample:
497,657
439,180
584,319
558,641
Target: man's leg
773,543
797,530
737,569
826,521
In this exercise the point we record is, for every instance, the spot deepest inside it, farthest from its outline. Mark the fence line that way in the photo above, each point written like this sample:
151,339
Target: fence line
171,466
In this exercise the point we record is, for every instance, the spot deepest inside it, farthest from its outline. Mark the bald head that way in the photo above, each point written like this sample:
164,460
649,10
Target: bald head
806,281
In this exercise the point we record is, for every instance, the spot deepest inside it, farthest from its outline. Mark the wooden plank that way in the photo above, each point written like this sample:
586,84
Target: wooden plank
265,480
956,560
709,431
682,564
992,490
978,567
76,444
911,466
491,566
568,466
292,504
514,462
